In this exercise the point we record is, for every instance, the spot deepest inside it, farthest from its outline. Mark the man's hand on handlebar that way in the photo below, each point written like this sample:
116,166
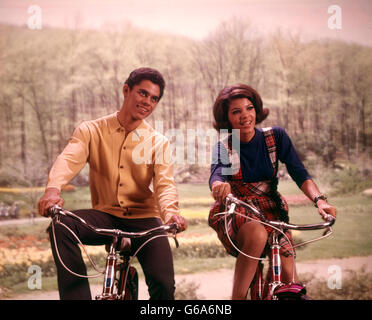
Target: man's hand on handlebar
179,220
50,198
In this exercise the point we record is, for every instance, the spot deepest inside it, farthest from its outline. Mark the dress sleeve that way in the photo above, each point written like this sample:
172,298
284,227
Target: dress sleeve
287,154
220,160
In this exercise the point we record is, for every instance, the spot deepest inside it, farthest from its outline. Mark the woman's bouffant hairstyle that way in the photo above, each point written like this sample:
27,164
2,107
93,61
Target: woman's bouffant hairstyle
226,95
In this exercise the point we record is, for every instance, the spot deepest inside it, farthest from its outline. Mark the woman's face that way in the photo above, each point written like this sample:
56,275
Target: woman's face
242,115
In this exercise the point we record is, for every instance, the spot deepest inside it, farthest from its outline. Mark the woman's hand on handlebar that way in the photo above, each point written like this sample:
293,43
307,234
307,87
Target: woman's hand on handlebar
220,190
50,198
310,189
325,209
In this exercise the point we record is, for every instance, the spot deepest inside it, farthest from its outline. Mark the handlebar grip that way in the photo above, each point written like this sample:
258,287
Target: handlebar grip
331,218
54,210
173,226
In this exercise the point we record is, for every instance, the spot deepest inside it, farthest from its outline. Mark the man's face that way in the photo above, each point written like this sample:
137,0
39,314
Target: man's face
142,100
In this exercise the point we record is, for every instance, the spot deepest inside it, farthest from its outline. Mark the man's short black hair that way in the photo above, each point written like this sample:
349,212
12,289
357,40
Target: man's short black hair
137,75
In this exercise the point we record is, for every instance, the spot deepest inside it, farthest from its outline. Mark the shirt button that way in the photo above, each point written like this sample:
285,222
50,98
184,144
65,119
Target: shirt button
121,167
124,148
120,185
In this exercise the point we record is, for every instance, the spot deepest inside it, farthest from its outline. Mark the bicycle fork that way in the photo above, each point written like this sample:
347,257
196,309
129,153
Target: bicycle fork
109,280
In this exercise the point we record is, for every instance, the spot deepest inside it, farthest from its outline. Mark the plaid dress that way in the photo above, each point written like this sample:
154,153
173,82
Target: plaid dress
263,195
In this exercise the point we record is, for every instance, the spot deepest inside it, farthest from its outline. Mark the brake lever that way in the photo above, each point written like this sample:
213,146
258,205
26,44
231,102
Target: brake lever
327,231
232,208
174,235
175,229
331,219
176,240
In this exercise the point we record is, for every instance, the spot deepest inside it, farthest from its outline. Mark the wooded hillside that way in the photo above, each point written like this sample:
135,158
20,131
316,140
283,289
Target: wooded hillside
51,79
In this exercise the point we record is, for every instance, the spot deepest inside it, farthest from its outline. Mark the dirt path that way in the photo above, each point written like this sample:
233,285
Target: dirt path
217,285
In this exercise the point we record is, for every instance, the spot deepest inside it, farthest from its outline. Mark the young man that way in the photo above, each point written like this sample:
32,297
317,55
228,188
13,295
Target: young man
129,191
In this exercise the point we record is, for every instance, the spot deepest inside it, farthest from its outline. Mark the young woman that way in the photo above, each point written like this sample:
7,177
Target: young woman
252,156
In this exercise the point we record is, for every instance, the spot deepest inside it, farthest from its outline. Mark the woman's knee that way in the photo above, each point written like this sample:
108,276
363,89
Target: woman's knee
252,234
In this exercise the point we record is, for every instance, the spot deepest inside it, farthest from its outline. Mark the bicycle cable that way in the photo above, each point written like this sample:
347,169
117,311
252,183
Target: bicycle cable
135,254
99,274
226,213
258,221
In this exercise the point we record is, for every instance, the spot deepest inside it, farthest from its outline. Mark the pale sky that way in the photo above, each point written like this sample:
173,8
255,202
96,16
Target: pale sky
196,18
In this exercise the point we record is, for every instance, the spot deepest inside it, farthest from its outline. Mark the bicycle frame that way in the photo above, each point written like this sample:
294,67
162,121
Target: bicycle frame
275,286
112,264
110,274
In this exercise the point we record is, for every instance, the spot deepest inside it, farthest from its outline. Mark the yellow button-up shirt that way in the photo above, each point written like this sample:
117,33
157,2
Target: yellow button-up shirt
130,177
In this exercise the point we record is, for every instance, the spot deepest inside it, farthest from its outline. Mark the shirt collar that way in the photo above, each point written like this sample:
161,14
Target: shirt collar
114,124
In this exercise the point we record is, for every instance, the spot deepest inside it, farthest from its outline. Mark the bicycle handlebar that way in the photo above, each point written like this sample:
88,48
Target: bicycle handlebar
230,199
56,211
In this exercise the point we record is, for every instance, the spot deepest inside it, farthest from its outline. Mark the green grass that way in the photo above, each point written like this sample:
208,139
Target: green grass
193,191
195,265
78,199
37,229
202,190
288,187
48,284
351,236
352,232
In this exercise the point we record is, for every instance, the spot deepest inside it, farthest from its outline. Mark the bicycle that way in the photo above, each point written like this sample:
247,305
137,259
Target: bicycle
120,277
272,288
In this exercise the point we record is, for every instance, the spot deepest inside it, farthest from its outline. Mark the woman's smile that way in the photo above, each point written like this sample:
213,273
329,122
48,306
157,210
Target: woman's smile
242,116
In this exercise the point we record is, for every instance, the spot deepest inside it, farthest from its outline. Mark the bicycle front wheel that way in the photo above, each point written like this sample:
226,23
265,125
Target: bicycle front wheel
128,290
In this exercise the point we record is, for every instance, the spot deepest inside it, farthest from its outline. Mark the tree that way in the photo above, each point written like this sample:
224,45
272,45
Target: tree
231,54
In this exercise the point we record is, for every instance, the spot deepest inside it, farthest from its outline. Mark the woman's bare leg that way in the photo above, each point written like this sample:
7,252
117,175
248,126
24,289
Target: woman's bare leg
289,273
251,239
